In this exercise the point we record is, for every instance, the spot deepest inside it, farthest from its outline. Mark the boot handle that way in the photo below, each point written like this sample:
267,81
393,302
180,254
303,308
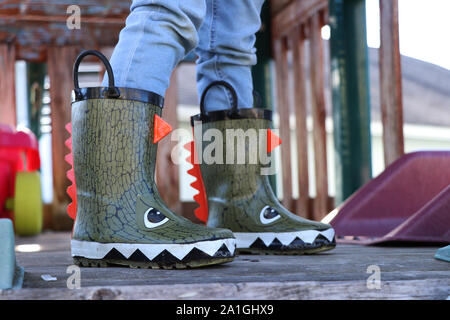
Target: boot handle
234,107
112,91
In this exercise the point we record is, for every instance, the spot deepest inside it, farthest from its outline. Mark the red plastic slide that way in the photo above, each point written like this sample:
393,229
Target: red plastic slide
408,202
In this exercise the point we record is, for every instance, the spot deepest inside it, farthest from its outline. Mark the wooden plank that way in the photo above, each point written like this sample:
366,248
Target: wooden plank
406,272
294,14
45,19
7,84
304,290
284,112
278,5
89,8
167,175
318,115
60,62
298,53
391,82
34,38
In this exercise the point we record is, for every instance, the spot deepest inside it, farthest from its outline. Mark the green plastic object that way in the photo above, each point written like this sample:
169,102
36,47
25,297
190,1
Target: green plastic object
35,88
350,94
11,275
443,254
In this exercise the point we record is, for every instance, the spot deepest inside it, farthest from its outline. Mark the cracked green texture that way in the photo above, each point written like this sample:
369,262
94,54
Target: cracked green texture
114,164
237,193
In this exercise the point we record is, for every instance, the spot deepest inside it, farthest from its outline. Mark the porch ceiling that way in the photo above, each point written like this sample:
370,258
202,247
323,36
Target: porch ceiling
34,25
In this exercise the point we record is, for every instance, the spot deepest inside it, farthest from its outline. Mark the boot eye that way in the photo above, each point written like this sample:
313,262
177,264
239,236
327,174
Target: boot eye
269,215
154,218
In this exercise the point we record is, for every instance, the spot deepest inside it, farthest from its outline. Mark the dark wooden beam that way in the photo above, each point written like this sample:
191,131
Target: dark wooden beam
60,61
318,114
298,51
36,25
167,177
7,84
89,8
295,13
284,111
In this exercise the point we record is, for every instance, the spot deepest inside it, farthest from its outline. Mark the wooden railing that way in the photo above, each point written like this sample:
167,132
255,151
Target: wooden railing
293,24
298,22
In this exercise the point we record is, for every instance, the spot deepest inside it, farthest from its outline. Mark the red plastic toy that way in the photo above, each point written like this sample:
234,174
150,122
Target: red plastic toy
20,190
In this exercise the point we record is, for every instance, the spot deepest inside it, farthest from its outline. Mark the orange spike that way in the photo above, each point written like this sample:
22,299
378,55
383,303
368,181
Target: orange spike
202,211
72,189
161,130
273,140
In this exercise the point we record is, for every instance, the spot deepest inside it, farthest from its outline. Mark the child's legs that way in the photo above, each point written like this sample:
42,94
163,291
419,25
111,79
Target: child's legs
226,50
158,34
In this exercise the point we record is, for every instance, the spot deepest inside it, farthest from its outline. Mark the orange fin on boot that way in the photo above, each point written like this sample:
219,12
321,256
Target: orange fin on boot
72,189
273,140
202,211
161,130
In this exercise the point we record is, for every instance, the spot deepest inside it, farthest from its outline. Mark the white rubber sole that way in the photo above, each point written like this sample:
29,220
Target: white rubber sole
97,250
245,239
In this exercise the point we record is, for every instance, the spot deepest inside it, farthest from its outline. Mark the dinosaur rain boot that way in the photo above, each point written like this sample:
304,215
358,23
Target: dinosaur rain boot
120,216
238,196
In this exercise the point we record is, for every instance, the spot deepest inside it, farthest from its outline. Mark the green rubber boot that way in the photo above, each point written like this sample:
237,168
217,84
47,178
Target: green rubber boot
120,216
238,194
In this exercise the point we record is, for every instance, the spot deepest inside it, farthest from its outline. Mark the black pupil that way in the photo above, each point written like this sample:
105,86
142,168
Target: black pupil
154,216
270,213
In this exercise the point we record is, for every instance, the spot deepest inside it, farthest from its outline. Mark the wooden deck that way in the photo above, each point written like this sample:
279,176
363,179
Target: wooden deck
406,273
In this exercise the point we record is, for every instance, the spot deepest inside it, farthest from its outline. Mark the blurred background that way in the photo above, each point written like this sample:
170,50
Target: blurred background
319,70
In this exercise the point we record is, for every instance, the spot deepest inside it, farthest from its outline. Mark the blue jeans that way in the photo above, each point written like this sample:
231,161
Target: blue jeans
160,33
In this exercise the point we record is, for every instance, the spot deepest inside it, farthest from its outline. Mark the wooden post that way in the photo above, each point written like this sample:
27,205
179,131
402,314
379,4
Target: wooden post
167,175
7,84
298,52
391,82
60,61
318,114
284,114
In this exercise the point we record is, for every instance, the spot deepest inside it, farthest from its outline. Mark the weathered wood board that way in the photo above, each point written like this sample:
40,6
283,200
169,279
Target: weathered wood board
406,273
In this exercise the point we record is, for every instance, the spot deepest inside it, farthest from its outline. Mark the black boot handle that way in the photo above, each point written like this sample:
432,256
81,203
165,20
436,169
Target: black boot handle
234,107
112,91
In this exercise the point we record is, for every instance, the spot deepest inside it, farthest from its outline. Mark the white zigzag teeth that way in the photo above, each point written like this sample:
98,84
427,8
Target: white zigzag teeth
209,248
151,252
267,238
308,236
329,234
96,250
286,238
246,239
127,251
